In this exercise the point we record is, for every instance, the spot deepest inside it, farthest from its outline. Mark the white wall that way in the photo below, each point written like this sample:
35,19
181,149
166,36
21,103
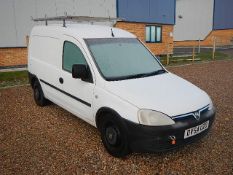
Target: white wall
197,19
8,34
15,15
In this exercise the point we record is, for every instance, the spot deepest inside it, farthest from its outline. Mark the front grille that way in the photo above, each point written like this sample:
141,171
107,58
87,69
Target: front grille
191,116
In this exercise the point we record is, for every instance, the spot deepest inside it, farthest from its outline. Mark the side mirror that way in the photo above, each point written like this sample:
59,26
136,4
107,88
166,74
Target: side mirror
80,71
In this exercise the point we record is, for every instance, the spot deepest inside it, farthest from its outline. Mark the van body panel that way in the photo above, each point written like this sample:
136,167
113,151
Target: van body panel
45,54
156,91
106,99
82,91
81,31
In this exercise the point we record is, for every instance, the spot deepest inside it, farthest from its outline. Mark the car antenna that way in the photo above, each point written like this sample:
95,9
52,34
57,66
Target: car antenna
112,33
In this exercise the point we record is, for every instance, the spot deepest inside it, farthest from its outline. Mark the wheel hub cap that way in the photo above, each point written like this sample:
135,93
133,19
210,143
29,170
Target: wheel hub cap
37,93
111,135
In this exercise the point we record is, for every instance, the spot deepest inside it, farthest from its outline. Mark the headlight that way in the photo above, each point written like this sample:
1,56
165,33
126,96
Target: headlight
153,118
210,105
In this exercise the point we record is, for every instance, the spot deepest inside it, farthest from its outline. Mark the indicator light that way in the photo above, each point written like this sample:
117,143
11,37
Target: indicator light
173,142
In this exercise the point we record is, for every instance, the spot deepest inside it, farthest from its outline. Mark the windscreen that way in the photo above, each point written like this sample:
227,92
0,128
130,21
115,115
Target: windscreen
122,58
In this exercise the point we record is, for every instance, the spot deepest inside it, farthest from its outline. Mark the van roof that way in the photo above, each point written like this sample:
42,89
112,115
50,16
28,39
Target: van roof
81,31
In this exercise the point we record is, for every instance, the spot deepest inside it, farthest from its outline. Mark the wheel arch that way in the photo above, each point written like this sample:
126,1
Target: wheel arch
102,111
32,79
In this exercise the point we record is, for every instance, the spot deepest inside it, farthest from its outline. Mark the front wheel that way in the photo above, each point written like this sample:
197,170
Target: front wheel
114,136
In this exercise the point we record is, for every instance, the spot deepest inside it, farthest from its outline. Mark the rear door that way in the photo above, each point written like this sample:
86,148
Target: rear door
79,94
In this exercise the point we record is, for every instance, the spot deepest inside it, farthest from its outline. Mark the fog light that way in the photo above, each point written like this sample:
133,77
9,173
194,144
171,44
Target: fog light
173,140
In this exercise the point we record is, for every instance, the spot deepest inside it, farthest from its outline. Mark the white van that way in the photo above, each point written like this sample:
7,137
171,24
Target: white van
108,78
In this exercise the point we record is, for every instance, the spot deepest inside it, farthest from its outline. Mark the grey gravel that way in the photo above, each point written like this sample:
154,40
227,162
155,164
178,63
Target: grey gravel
50,140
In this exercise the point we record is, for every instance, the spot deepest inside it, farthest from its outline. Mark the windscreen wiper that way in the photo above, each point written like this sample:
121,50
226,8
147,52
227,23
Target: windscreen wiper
161,71
158,72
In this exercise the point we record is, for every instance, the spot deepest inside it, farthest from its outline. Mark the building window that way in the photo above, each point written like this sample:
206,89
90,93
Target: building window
153,34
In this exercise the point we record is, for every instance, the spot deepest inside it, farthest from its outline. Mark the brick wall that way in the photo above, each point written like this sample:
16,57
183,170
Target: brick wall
157,48
223,37
13,56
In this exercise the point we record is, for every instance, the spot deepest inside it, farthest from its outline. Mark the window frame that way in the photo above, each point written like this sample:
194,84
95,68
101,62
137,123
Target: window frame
156,26
90,79
66,41
98,68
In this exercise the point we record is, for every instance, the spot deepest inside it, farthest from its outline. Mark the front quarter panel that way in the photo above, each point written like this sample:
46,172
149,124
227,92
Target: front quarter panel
103,98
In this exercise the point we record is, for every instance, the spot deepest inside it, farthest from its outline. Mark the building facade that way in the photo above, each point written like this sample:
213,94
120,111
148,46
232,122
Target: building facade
151,20
204,20
16,22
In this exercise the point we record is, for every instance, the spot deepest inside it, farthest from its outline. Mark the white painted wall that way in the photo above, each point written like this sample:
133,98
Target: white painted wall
15,15
8,34
197,19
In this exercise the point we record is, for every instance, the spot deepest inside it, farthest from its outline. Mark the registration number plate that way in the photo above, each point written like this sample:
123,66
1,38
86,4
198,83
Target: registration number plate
196,130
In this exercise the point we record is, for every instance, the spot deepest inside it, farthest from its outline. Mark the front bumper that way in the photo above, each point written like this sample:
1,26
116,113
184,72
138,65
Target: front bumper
158,138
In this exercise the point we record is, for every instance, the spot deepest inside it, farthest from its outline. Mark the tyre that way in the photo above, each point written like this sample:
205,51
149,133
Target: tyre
114,136
39,95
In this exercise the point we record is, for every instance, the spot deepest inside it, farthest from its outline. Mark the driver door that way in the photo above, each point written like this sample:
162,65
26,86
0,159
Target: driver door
79,94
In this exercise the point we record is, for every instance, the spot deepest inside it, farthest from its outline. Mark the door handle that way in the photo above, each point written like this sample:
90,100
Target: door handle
61,80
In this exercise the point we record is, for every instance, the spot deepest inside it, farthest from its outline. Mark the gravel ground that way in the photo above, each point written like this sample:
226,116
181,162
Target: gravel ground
50,140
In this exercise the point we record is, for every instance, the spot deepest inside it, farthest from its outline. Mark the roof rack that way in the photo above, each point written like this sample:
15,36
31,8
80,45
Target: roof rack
75,18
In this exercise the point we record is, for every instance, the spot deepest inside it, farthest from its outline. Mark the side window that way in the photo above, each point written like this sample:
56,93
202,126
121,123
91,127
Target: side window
72,55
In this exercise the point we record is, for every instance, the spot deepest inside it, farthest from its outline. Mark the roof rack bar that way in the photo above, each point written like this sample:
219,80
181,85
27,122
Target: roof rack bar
46,21
77,18
64,23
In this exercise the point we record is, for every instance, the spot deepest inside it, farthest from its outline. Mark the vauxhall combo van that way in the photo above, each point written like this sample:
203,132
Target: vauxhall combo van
109,78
